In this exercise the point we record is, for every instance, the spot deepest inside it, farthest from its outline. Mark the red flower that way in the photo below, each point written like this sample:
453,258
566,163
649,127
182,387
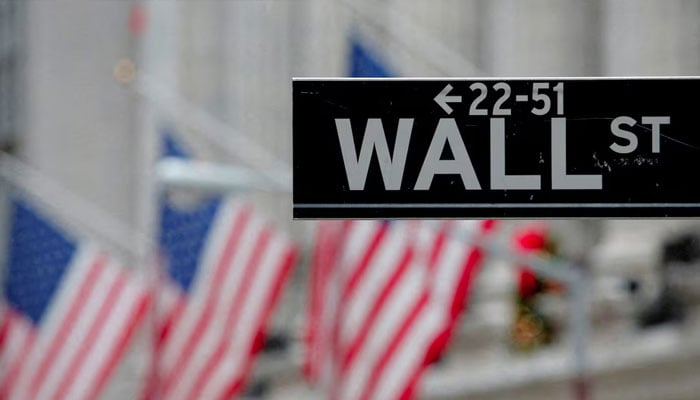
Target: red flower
533,239
528,284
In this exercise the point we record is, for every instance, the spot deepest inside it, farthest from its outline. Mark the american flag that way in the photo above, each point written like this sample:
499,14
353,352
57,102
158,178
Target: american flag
383,304
67,314
225,268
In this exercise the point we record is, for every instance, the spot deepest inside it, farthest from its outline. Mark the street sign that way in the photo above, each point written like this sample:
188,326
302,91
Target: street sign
496,148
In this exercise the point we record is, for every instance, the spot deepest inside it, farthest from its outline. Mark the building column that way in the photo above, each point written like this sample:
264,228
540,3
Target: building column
651,37
541,37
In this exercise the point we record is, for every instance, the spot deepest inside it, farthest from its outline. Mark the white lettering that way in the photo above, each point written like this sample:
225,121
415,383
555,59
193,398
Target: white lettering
447,132
656,123
391,166
499,179
560,179
623,134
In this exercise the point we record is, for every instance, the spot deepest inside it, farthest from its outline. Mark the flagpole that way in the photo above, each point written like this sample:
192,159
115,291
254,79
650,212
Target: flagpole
174,172
158,55
236,144
71,209
580,326
4,229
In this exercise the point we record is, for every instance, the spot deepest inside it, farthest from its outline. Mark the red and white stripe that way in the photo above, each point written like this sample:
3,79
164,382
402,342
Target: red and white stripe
383,304
82,336
17,336
213,333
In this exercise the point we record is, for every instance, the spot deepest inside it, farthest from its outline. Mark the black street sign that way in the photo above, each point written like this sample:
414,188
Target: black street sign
496,148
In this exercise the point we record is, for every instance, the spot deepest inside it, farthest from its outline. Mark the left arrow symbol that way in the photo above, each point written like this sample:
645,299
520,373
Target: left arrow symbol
442,99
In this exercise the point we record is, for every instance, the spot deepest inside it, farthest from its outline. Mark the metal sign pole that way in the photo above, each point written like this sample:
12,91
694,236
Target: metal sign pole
579,324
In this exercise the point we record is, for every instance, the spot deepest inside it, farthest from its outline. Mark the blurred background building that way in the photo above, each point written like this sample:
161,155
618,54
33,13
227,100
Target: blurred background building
86,85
